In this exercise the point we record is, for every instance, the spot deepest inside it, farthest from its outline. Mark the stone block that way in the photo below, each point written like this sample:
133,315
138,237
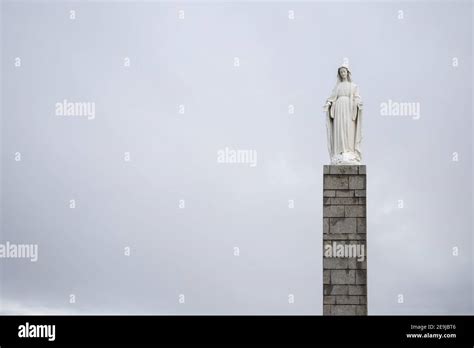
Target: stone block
327,310
357,290
333,211
361,310
329,300
336,289
360,193
361,276
362,170
346,299
336,182
343,310
344,170
361,225
354,211
357,182
326,277
345,193
325,225
342,277
344,200
329,193
344,236
354,264
335,263
342,225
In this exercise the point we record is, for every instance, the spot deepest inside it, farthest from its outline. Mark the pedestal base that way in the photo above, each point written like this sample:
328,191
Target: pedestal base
344,240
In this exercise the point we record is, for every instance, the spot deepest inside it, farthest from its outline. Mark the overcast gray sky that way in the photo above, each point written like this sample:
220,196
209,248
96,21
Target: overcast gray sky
403,56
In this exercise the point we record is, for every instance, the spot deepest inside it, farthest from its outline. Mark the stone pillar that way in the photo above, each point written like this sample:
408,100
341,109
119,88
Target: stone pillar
344,240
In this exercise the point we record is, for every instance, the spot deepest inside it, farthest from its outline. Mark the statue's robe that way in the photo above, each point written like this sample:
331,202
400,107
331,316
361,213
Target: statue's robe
344,122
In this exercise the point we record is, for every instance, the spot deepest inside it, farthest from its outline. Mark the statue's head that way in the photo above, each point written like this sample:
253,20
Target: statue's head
343,73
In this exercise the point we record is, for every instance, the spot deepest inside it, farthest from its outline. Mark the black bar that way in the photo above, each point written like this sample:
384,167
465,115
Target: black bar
288,330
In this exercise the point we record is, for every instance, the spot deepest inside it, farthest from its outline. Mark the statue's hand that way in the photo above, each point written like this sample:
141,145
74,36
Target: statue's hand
326,107
360,106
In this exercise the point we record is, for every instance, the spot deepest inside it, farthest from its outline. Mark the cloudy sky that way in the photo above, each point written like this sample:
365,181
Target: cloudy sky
173,83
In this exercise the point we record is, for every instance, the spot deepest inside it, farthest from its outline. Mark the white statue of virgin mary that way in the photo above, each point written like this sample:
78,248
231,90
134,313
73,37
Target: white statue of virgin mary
344,120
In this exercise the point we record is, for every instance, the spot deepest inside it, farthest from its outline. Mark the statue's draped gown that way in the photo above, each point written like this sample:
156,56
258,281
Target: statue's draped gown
344,120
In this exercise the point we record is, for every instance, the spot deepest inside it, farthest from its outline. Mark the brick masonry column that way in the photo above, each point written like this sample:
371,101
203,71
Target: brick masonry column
344,240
